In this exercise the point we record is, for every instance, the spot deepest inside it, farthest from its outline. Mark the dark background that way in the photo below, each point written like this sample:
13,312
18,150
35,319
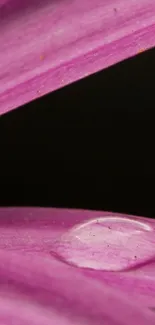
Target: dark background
89,145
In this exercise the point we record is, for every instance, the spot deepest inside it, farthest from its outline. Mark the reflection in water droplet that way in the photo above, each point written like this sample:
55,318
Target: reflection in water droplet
109,243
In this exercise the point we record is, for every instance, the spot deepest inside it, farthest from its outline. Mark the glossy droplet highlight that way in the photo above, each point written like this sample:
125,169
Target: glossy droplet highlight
107,243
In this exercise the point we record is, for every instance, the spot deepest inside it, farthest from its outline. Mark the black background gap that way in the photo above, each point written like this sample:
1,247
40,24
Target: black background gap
89,145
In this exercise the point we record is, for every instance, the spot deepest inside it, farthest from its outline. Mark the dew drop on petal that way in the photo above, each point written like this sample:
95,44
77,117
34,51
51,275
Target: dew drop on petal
107,243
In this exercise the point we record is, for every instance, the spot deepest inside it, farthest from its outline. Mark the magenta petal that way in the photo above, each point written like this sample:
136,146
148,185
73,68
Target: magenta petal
56,293
48,44
44,278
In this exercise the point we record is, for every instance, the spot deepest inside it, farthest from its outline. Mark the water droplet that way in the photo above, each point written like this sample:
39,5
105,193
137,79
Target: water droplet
107,243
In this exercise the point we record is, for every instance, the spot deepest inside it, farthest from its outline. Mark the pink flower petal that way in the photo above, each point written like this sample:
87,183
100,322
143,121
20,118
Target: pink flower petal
39,284
55,292
48,44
